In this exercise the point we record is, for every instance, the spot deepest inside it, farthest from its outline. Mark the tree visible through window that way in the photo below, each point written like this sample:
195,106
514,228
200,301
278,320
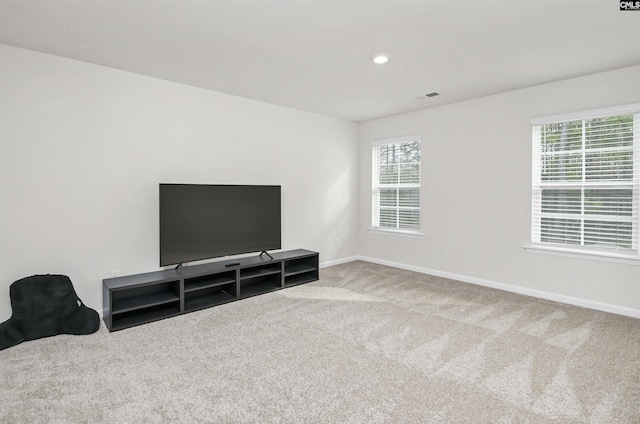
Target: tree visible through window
586,178
396,184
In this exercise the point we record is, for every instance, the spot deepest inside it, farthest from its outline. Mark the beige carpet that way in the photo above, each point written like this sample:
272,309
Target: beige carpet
365,344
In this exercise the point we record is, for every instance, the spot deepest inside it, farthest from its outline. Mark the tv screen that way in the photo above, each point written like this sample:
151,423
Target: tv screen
209,221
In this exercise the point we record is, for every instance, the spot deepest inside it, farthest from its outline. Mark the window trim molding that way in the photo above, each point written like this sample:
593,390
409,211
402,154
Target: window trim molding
396,140
628,257
393,232
587,114
411,233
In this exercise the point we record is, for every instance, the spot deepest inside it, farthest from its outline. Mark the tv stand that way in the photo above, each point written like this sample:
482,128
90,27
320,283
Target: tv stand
264,252
138,299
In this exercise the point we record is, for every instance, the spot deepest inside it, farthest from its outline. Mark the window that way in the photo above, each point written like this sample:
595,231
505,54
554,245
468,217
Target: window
586,181
396,184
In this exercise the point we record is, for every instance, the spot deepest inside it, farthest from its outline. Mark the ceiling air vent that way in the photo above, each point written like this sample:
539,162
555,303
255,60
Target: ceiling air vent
424,96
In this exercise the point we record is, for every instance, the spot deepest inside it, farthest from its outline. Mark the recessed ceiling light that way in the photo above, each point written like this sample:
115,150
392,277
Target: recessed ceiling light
380,58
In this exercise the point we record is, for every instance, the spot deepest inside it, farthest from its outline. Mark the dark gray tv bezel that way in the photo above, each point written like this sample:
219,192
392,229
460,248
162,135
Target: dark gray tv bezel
261,250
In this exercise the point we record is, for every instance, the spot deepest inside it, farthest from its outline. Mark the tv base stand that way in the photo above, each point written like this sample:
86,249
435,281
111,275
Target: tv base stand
264,252
142,298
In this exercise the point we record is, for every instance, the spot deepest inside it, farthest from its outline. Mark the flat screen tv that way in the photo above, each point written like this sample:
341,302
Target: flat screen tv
209,221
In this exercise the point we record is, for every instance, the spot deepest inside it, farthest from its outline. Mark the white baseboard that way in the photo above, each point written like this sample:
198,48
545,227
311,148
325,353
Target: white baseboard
605,307
339,261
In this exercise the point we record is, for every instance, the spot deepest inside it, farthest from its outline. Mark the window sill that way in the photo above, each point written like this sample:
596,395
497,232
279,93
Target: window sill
630,259
401,233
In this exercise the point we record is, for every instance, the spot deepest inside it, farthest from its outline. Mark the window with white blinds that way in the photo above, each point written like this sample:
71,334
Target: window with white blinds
396,184
586,181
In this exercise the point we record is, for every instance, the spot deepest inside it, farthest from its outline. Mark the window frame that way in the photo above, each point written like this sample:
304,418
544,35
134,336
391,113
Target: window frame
615,254
377,186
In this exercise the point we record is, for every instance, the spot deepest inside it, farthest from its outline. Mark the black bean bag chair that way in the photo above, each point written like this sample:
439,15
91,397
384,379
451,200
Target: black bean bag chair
43,306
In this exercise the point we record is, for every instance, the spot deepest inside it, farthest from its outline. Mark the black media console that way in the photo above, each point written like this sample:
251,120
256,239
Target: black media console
142,298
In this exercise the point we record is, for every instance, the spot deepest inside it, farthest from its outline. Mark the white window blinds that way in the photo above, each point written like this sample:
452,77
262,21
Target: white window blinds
586,180
396,184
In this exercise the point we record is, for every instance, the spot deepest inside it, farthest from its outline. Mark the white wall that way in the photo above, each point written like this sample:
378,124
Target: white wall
83,148
476,192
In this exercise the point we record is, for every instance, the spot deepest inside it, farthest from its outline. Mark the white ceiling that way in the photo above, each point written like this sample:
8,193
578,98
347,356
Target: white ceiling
314,55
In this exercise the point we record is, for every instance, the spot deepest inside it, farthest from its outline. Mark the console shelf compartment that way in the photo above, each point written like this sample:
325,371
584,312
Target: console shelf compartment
301,270
259,271
143,298
260,279
207,281
259,286
206,298
143,316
